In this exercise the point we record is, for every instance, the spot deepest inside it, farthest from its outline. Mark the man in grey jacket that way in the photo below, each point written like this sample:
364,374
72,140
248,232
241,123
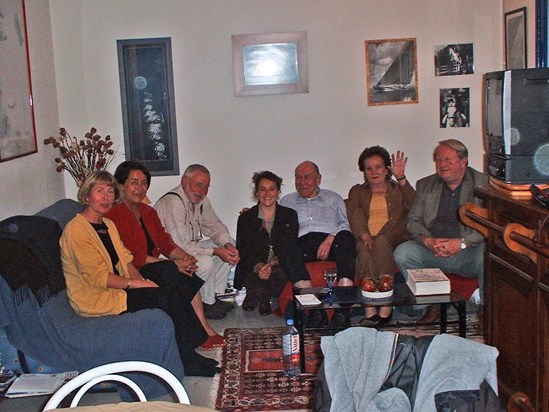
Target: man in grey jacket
439,239
188,216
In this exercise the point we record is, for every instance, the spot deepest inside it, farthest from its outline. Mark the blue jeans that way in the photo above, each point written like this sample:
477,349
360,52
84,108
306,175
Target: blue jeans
468,263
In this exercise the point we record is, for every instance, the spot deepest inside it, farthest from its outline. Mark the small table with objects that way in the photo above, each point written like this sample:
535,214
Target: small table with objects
351,297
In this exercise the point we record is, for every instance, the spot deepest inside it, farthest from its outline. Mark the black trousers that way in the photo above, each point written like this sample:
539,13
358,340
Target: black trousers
261,290
174,295
343,251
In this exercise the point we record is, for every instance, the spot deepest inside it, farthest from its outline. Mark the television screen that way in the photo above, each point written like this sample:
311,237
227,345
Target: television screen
494,107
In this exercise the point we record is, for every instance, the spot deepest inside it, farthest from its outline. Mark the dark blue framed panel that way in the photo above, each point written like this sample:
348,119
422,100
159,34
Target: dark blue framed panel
148,103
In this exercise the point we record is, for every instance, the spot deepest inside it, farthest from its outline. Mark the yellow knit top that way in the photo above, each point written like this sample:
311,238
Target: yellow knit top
378,213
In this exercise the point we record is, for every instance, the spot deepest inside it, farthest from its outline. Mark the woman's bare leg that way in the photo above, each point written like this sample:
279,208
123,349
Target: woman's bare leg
198,307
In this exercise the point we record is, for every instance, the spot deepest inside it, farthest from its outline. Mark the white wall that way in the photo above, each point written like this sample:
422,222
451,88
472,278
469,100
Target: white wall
29,183
235,136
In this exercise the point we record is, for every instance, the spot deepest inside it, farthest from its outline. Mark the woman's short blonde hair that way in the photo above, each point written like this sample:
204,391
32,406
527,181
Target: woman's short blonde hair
99,176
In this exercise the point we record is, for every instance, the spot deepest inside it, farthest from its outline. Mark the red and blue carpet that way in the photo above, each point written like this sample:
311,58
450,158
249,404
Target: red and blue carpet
252,379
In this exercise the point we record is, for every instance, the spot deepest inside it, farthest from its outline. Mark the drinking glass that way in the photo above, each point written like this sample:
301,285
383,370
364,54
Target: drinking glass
330,276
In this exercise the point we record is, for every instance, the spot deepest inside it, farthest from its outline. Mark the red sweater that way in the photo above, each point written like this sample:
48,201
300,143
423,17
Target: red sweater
133,236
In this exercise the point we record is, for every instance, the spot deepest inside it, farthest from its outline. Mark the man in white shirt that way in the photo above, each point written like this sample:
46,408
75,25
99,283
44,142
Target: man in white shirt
188,216
324,231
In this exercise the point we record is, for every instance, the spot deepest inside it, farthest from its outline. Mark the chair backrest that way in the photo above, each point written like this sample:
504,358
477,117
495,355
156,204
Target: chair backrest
108,372
519,402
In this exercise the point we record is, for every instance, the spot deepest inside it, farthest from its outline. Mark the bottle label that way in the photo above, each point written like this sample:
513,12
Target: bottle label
295,348
290,346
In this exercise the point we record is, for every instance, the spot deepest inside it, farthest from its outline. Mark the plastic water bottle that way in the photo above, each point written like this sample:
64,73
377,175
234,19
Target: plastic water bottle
290,350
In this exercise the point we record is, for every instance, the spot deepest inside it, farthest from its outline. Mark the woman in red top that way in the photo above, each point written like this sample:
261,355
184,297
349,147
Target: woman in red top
143,234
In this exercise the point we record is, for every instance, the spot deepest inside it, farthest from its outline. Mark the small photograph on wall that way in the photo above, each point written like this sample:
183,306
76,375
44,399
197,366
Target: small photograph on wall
454,59
454,107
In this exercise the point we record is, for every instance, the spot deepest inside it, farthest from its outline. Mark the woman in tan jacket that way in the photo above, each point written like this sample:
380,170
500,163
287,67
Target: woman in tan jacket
377,212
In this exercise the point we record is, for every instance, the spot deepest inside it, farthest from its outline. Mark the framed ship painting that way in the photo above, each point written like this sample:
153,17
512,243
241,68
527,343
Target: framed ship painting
391,70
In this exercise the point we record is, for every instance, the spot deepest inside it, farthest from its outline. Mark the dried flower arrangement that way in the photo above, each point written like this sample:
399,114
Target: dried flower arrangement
82,157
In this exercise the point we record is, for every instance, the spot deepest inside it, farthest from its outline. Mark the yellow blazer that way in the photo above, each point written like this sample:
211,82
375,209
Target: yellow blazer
86,265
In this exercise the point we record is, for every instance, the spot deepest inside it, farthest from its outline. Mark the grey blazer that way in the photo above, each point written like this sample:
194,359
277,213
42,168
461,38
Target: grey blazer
424,210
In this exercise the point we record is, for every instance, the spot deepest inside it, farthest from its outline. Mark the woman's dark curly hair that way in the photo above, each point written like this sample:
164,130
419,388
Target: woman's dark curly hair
123,171
373,151
256,178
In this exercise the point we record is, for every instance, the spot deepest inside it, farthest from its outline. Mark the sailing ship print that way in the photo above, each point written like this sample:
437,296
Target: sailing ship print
392,71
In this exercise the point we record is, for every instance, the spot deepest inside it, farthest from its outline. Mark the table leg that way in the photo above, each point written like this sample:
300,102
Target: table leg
443,317
462,318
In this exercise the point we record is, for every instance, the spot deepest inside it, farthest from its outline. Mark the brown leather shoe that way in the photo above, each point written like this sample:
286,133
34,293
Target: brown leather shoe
432,315
265,309
248,304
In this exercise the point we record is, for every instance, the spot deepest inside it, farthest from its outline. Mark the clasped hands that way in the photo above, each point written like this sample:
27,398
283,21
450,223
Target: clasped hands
186,264
264,270
443,247
228,253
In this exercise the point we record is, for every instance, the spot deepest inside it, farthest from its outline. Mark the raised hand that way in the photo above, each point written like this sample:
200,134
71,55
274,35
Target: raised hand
398,167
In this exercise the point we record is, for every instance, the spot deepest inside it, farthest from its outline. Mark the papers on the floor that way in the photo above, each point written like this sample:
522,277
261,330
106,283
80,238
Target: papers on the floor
308,299
229,295
34,384
430,281
6,379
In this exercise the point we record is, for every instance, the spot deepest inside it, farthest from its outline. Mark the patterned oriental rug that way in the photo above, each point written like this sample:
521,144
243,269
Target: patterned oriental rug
252,379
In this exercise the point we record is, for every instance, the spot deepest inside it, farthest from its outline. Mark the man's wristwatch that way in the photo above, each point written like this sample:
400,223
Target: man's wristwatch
463,245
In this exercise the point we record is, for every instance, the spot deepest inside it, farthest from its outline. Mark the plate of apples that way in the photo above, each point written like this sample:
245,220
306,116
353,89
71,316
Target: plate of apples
381,288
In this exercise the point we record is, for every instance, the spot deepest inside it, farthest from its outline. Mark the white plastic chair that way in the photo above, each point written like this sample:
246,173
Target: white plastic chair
108,372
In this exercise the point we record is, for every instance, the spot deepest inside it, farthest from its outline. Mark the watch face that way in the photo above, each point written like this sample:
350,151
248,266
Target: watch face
463,245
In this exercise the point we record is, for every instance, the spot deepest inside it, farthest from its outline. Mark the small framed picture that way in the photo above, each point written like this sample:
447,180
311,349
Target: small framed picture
391,69
515,39
270,63
454,107
454,59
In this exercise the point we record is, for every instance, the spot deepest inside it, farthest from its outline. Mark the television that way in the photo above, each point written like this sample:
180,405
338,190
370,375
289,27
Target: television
516,125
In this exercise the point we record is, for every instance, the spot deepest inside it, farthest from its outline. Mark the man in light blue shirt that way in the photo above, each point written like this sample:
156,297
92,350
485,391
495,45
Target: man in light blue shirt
324,231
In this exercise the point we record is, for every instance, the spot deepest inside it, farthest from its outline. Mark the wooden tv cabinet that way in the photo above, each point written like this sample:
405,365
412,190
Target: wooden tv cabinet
516,290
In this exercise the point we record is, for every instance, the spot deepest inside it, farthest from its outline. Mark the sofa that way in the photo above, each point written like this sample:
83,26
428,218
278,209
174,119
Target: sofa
40,330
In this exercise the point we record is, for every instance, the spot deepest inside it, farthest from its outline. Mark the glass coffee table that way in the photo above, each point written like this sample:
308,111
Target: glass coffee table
351,297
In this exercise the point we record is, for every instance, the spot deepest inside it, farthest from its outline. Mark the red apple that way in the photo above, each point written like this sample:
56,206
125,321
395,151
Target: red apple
386,283
368,285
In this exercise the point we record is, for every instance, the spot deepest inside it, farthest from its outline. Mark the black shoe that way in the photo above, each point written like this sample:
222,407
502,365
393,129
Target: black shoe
248,304
265,309
225,306
370,322
213,312
207,361
339,321
384,321
193,365
317,319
